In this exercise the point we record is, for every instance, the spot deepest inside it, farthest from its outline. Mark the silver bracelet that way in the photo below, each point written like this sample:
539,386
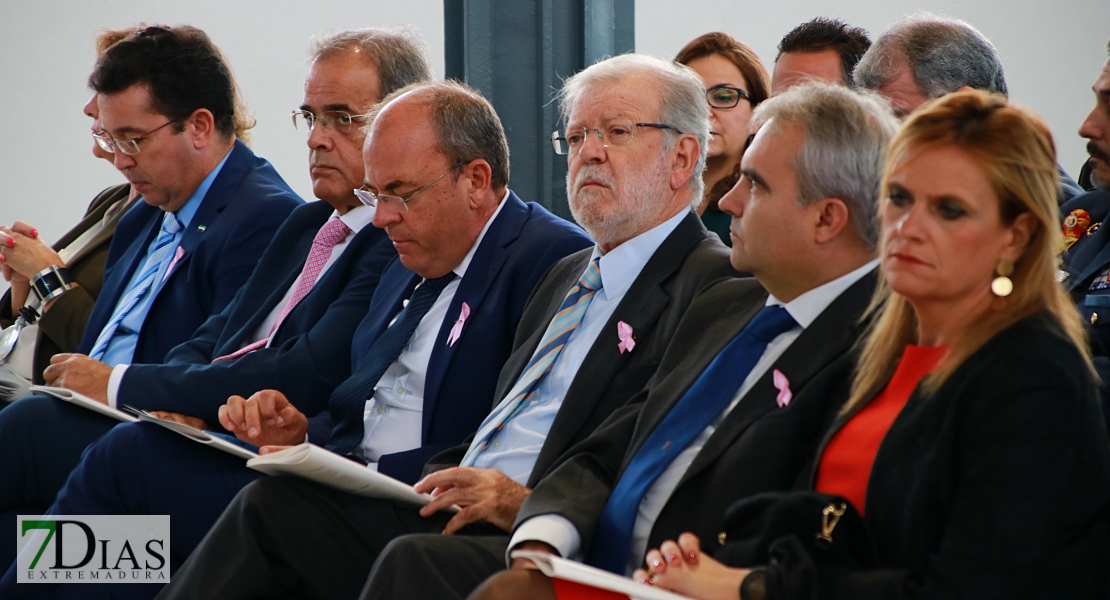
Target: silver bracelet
51,282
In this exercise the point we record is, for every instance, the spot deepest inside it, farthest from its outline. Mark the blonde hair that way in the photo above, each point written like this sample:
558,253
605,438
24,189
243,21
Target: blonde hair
1014,148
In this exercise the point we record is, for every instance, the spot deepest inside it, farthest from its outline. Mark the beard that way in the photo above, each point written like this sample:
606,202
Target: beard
1100,171
630,206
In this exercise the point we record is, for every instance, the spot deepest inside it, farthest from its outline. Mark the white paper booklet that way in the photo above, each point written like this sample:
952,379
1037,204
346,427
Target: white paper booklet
328,468
195,434
83,401
561,568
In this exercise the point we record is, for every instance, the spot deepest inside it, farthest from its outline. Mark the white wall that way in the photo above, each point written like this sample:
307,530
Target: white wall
47,172
1052,52
1052,49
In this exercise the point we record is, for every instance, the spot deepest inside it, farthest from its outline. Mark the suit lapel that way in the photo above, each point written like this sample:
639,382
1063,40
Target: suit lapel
640,308
146,220
484,267
397,284
213,203
1093,255
298,253
830,336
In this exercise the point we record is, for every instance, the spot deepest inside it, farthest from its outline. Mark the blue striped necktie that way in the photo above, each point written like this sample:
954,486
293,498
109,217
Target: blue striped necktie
163,245
562,325
348,402
706,399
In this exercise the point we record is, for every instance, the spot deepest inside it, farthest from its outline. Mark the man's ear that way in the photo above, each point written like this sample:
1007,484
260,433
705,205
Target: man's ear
830,217
684,158
201,127
477,176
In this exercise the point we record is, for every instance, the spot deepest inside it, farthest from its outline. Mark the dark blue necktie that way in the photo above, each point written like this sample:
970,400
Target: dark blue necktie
348,401
706,399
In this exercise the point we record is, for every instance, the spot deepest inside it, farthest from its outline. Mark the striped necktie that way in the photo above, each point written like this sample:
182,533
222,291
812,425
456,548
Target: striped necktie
708,397
562,325
333,232
163,246
348,401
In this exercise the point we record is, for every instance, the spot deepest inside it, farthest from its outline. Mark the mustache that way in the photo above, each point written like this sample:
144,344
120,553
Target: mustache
1097,152
595,172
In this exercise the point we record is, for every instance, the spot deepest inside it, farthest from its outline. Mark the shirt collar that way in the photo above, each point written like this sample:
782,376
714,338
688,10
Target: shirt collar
622,265
186,212
356,218
806,308
461,269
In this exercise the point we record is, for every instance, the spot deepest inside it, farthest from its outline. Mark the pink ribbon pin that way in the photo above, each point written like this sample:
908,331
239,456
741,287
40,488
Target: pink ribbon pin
176,257
624,332
456,330
782,384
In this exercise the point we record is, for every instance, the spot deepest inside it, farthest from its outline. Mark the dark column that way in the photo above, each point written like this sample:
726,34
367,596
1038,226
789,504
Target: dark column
517,53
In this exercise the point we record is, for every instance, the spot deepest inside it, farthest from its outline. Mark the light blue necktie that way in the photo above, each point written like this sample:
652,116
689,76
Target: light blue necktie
163,245
708,397
562,325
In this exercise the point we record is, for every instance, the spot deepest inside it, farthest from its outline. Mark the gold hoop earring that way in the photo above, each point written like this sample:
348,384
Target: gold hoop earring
1002,285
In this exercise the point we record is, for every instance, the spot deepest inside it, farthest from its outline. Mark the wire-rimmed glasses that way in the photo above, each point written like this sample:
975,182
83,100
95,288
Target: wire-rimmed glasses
338,120
129,146
396,203
617,133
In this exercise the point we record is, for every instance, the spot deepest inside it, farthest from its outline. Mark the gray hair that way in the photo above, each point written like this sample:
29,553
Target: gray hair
943,54
682,102
466,125
400,56
844,148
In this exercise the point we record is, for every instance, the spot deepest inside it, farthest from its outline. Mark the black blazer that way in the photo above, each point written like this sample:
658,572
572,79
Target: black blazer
758,447
311,350
61,328
995,486
687,261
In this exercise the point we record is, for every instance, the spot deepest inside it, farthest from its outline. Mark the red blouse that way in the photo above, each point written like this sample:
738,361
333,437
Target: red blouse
846,463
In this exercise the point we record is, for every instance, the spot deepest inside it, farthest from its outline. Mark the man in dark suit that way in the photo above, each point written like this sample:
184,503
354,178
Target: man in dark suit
648,272
465,241
1085,270
283,330
746,386
924,57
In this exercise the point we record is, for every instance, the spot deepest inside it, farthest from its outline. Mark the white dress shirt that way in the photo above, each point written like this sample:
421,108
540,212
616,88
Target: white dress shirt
394,415
561,533
513,450
356,218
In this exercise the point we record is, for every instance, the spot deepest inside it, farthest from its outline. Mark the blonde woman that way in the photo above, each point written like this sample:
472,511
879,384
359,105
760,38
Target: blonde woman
974,444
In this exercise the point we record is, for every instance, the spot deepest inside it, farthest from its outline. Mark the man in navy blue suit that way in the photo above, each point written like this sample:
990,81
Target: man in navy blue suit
210,207
1085,270
290,326
441,322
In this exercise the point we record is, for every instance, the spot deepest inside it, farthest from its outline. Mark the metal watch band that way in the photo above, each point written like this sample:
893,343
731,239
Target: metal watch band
51,282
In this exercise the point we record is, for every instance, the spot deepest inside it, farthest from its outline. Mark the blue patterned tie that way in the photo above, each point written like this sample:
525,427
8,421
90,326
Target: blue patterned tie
706,399
348,402
163,245
562,325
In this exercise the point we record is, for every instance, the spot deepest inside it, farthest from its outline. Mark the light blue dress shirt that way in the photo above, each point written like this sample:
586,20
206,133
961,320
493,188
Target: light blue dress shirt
122,347
514,449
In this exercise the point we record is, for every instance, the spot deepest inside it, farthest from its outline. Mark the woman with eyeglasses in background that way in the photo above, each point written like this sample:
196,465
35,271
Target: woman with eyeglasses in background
736,82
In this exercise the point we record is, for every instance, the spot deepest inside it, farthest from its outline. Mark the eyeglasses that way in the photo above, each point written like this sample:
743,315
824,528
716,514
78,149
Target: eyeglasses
613,134
130,146
725,96
396,203
335,119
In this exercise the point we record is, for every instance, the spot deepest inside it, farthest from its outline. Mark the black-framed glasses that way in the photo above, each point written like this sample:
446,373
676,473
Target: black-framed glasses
396,203
338,120
617,133
130,146
725,96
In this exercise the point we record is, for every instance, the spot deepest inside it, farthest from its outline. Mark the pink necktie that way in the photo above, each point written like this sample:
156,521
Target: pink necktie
333,232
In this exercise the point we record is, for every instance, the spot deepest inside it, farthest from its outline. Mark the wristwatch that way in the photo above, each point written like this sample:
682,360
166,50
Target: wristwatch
51,282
